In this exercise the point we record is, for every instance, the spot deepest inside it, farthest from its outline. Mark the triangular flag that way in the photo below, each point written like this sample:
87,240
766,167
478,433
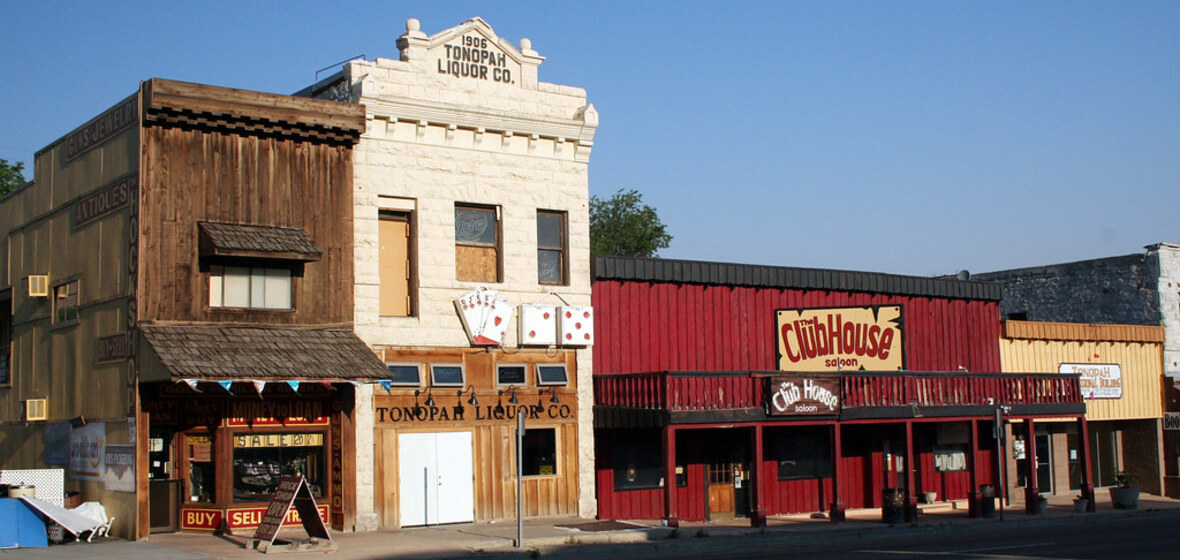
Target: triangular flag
294,385
327,385
385,384
226,385
192,384
356,383
258,385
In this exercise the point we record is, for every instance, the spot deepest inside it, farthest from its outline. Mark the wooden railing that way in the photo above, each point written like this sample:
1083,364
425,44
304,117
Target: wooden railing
736,390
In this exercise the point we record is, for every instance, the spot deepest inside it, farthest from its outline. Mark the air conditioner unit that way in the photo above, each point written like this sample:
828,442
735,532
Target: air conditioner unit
39,285
36,409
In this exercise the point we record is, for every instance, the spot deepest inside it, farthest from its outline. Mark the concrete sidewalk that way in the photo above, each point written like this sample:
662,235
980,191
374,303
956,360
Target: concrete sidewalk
554,535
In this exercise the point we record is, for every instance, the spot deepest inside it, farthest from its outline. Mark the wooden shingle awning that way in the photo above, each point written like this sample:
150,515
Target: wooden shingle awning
251,241
222,352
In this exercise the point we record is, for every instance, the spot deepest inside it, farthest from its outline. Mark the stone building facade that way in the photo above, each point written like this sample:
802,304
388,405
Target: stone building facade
472,176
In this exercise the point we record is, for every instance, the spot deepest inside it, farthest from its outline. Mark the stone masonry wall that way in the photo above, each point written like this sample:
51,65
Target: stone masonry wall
1115,290
435,139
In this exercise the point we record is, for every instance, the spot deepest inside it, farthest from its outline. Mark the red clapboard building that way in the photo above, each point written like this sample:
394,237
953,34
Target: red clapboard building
727,390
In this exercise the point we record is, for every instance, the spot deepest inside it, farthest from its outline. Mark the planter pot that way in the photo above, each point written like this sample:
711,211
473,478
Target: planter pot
929,497
1124,498
1042,507
1080,505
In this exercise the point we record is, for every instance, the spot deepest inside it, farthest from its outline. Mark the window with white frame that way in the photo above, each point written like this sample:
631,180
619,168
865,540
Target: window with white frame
446,375
249,287
552,374
406,375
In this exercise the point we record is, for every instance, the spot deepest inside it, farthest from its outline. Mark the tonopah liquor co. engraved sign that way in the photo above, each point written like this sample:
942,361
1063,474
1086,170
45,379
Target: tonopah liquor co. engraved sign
848,338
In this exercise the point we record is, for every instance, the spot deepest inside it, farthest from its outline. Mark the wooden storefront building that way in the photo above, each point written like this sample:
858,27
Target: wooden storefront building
1122,383
733,390
179,280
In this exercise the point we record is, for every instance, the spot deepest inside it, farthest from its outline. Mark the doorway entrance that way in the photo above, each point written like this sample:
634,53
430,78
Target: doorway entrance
1104,445
1044,462
164,483
436,483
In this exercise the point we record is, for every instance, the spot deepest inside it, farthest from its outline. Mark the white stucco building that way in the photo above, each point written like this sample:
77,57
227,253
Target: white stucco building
471,179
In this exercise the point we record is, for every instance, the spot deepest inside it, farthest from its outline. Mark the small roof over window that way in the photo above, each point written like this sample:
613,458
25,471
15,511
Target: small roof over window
269,242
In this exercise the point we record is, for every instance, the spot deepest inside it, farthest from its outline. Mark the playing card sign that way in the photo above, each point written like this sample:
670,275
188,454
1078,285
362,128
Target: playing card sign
576,325
485,316
537,325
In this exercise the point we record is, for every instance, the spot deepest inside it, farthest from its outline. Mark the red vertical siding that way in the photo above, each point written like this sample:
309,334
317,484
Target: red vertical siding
644,327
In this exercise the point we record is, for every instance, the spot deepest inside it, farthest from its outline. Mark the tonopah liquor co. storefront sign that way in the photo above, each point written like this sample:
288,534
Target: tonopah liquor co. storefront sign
832,339
794,395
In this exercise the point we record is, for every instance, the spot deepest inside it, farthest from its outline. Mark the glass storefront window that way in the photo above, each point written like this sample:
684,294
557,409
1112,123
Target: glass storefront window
199,454
261,459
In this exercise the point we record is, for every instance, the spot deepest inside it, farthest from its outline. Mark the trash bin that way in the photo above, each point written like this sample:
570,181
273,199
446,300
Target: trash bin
892,506
987,500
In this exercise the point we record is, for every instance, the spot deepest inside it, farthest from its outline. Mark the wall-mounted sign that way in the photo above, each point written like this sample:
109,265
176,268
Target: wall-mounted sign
1098,381
104,201
1172,421
388,413
120,468
112,348
841,338
485,315
278,413
577,325
537,325
103,127
796,395
88,452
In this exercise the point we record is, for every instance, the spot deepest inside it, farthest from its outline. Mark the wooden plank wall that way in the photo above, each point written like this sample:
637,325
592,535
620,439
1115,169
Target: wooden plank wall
195,175
493,441
640,327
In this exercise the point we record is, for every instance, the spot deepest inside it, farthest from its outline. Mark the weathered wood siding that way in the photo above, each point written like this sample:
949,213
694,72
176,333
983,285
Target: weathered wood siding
646,327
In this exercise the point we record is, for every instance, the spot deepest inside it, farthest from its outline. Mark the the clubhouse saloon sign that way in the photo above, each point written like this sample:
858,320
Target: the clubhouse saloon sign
796,395
840,338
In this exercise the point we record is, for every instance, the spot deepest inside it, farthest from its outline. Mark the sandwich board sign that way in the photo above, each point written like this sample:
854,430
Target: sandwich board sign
292,491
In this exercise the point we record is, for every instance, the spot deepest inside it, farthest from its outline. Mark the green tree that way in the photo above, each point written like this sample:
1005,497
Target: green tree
11,177
624,226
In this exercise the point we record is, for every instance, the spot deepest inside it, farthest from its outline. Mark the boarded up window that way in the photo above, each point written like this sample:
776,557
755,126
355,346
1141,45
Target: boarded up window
551,247
394,263
477,244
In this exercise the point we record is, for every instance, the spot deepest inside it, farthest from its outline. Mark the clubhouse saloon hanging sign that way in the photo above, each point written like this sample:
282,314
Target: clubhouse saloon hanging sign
795,395
840,338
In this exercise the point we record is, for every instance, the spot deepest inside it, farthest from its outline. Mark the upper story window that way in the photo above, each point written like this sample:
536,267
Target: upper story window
394,263
65,303
552,264
477,243
406,375
249,287
446,375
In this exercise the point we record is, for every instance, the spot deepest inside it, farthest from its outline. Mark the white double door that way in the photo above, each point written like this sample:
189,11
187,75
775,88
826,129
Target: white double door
435,478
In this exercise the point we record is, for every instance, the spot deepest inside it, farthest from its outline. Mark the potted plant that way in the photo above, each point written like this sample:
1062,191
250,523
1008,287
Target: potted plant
1124,495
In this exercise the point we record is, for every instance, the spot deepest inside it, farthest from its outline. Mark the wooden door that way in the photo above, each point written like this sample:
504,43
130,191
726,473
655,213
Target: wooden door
721,495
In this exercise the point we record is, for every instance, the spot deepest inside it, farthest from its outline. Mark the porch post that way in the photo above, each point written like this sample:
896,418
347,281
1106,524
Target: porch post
758,511
911,499
1032,492
1087,475
972,465
671,512
836,512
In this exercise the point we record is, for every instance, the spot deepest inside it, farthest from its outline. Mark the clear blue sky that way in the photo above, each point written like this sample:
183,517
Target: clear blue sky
906,137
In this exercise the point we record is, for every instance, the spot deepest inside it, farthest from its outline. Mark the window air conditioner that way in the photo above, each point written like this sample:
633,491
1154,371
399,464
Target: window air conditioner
39,285
36,409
